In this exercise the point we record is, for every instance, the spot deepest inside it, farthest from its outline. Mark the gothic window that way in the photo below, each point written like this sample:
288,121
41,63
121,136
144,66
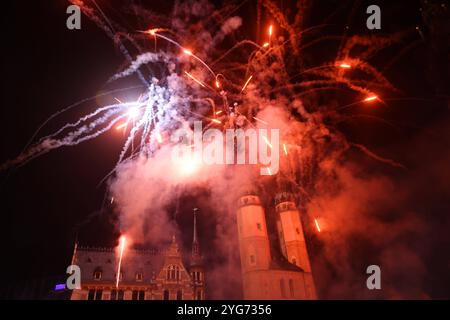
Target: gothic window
173,273
179,295
139,276
91,294
120,295
297,230
282,288
258,225
98,294
166,294
97,274
141,295
291,287
134,295
113,294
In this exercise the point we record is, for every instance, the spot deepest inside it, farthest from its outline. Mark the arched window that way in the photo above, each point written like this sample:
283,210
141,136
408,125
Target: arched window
179,295
139,276
97,274
173,273
166,295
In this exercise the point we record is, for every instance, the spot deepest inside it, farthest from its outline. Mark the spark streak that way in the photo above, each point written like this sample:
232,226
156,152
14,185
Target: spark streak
246,83
193,78
267,142
285,149
317,225
122,241
262,121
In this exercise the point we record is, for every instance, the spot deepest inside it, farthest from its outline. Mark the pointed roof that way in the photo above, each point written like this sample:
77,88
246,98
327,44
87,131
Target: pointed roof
195,257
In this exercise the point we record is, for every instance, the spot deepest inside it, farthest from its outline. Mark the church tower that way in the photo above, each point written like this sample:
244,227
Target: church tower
254,245
292,239
196,268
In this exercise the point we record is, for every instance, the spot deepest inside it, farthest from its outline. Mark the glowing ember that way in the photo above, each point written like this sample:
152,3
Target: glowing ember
152,31
285,149
122,126
159,137
317,225
266,44
345,66
188,52
371,98
133,113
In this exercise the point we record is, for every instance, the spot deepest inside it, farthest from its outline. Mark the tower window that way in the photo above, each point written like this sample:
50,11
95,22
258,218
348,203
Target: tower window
297,230
97,274
282,288
258,225
291,287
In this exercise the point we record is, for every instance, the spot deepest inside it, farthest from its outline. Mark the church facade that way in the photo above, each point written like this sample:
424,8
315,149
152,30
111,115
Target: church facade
263,277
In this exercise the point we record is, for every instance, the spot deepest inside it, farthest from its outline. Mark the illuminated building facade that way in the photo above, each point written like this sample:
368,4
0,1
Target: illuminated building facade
144,274
263,277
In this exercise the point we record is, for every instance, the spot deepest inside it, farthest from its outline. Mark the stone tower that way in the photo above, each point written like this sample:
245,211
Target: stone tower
264,278
292,239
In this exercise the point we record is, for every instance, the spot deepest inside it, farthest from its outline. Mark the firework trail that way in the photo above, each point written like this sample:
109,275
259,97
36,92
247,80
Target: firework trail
187,77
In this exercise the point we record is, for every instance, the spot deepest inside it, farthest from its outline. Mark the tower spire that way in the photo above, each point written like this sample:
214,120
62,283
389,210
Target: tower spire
195,243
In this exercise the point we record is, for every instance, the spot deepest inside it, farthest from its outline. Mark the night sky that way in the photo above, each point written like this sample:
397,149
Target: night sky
46,67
